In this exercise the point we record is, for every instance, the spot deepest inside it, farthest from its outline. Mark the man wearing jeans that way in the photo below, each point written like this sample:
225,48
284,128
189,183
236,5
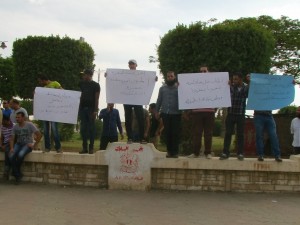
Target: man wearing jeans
45,82
264,121
22,136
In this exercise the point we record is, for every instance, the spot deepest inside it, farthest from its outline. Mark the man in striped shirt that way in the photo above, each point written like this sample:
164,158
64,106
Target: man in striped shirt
6,131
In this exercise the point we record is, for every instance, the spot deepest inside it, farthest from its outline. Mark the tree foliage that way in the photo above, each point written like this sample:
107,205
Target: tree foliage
7,81
61,59
230,46
286,33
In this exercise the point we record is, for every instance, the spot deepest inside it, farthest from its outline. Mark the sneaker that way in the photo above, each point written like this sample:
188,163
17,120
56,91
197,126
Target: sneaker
59,151
278,159
260,158
129,141
83,152
223,156
46,150
208,156
91,151
240,157
193,156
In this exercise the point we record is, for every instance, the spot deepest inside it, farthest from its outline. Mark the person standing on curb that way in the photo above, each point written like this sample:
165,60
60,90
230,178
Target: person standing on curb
295,131
203,122
139,113
47,83
236,115
88,110
111,121
167,105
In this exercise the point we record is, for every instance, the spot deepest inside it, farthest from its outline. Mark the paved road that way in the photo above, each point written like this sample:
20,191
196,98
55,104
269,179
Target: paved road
36,204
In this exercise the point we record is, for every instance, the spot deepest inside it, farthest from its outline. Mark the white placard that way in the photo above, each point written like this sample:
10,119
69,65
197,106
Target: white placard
56,105
203,90
133,87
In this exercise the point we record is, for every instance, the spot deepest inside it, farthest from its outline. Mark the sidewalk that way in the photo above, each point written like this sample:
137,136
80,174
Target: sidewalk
36,204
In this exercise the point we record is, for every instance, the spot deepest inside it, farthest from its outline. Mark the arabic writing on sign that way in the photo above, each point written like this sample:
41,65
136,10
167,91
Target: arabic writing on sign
199,90
270,92
56,105
129,86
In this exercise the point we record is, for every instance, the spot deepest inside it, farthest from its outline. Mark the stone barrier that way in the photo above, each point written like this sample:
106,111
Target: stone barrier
142,167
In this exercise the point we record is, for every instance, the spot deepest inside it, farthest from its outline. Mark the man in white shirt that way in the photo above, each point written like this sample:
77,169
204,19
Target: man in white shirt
295,130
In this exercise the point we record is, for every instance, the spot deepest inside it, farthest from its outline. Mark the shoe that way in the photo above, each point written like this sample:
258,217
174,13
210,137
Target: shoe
260,158
59,151
83,152
208,156
91,151
144,142
193,156
240,157
174,156
129,141
223,156
278,159
46,150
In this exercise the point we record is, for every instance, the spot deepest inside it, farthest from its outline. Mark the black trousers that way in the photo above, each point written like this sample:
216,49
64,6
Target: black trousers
172,124
139,113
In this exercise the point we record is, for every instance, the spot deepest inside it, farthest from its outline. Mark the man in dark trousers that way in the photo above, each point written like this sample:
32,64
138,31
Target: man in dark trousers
111,121
88,110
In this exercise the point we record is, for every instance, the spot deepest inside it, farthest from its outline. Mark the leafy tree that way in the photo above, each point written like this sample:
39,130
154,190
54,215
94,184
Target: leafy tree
62,59
7,84
230,46
286,33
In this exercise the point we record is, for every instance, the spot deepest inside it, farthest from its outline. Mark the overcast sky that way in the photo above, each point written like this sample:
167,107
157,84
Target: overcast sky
119,30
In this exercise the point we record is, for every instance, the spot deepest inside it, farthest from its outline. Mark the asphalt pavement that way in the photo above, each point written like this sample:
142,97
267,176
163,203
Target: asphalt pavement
39,204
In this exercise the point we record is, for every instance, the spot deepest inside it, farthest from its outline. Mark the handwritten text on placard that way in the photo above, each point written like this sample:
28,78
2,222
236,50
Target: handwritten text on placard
203,90
270,92
129,86
56,105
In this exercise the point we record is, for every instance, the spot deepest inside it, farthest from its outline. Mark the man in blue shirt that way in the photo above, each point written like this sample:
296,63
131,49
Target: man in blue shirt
111,121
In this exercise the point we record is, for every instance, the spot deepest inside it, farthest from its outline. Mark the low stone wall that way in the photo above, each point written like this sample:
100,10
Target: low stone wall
100,170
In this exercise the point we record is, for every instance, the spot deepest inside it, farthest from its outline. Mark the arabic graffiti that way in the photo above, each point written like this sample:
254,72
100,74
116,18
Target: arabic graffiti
129,163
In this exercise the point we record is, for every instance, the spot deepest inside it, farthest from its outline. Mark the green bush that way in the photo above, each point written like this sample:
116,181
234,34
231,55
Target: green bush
288,110
217,128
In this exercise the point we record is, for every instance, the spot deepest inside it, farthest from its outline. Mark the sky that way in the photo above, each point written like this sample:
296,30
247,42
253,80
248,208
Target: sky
119,30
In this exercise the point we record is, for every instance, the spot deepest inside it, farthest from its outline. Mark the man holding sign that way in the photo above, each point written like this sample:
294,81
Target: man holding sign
139,113
45,82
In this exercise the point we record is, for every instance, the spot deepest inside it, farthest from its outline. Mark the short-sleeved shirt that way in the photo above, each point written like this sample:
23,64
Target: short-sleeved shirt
24,135
88,91
53,84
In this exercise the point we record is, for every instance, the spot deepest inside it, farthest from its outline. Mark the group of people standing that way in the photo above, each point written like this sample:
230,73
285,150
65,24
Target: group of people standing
19,136
203,121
